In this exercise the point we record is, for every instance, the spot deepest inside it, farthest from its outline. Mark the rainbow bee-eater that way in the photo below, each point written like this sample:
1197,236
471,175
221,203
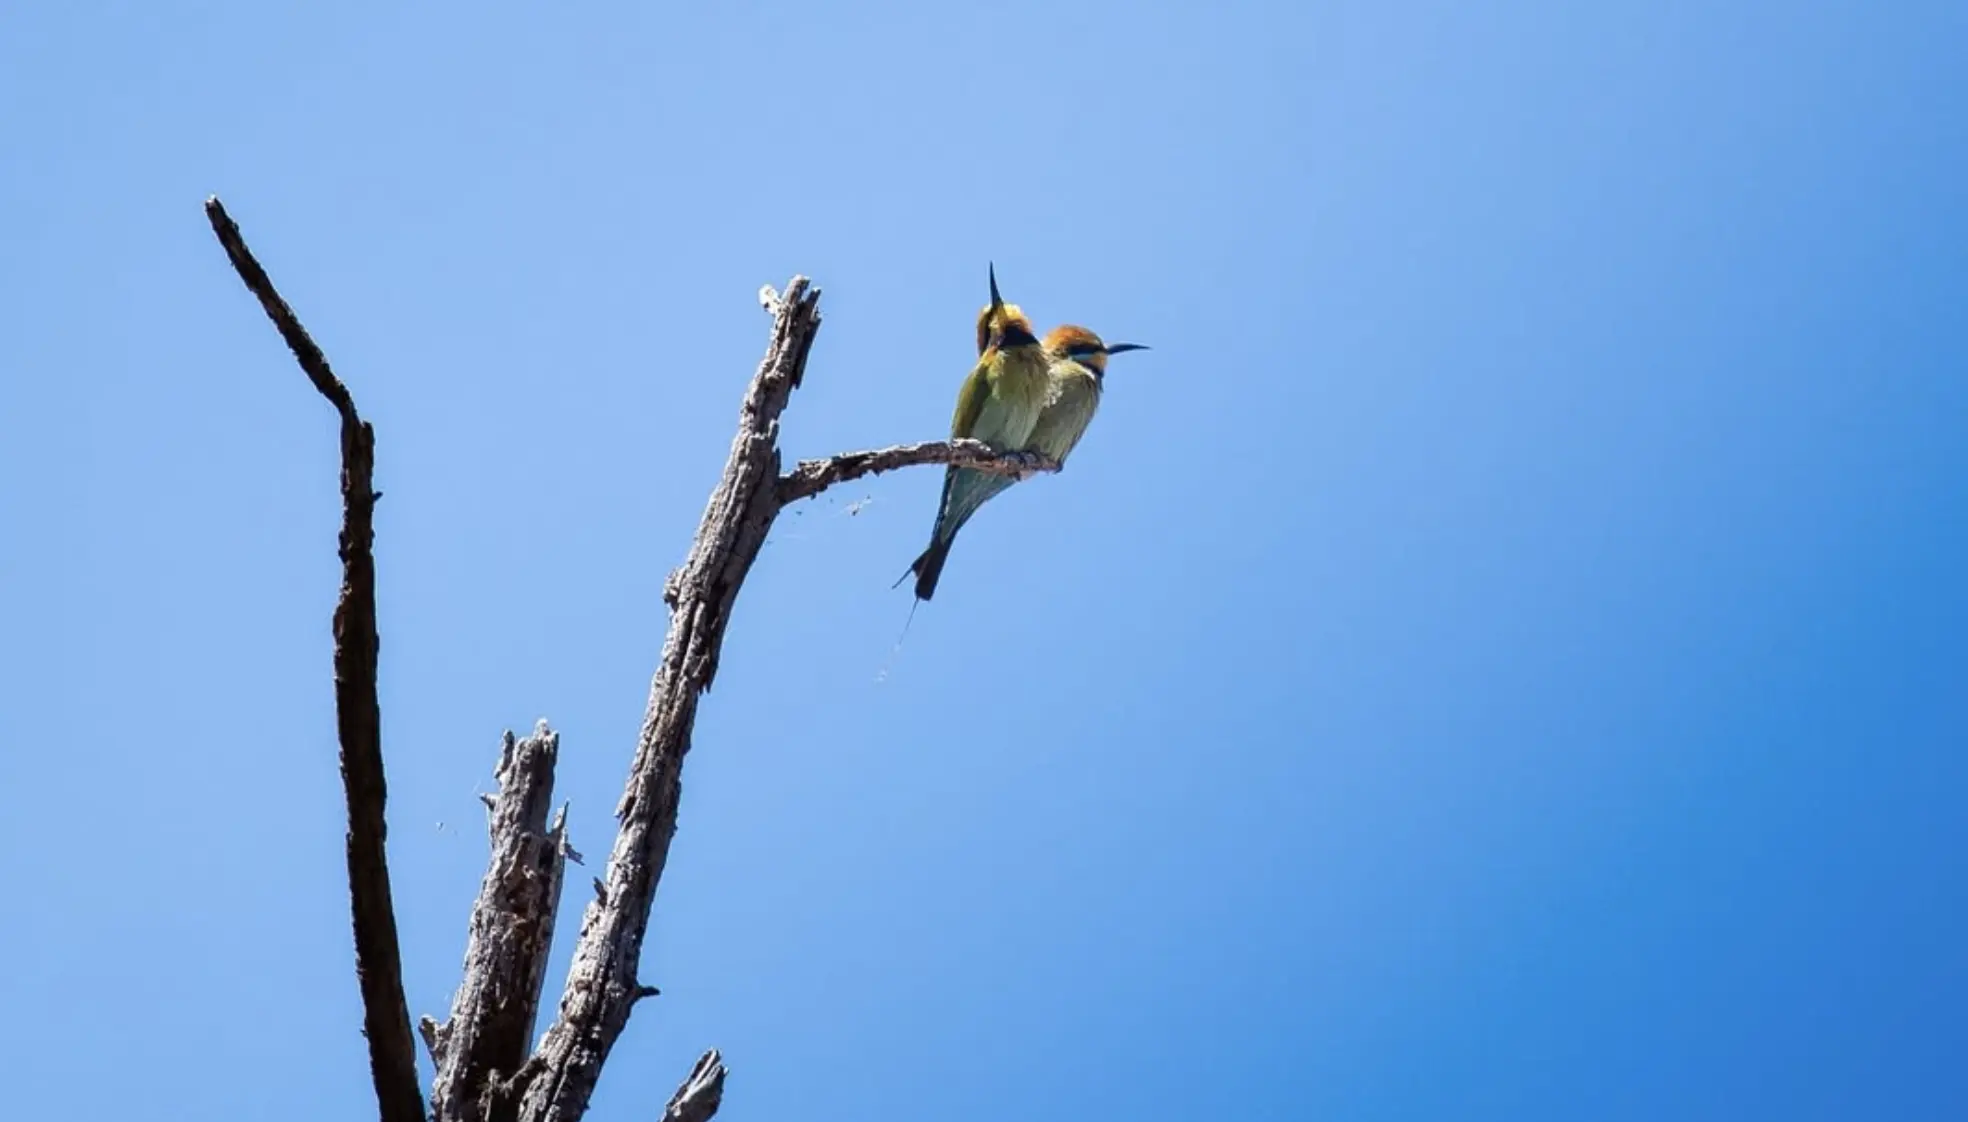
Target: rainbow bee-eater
1076,365
999,405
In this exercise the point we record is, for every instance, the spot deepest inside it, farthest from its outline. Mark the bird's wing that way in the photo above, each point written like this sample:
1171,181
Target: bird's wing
994,426
970,401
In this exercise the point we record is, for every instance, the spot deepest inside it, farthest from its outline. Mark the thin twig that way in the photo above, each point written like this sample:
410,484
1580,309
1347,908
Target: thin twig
312,361
358,717
810,477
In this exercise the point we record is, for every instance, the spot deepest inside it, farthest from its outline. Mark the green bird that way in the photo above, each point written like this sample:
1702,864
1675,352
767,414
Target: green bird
999,405
1076,366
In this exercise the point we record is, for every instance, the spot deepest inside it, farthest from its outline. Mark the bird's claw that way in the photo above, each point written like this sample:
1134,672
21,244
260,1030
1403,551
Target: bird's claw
1032,464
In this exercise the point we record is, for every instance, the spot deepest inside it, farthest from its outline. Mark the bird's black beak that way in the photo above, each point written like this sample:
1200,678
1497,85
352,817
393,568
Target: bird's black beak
997,301
1117,348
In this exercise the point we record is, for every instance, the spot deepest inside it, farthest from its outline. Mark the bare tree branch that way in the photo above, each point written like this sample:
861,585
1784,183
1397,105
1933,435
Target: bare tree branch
484,1073
810,477
358,717
602,985
701,1094
483,1045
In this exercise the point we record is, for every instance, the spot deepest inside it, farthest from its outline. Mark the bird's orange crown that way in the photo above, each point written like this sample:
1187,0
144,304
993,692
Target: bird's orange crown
1071,341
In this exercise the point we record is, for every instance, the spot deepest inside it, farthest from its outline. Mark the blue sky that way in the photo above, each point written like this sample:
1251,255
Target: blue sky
1499,656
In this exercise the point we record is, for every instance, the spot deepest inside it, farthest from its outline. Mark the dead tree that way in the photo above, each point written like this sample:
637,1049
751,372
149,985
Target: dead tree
489,1069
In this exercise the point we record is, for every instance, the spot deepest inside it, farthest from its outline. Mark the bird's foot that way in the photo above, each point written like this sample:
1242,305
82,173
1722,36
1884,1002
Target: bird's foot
1031,464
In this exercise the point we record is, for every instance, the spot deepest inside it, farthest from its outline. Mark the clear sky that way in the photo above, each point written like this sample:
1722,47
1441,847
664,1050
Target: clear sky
1503,654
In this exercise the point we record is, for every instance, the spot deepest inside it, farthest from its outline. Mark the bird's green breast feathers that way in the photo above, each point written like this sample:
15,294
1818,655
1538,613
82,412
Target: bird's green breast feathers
1074,397
1001,400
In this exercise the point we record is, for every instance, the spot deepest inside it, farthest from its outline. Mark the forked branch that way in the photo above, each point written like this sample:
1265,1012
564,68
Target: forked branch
602,983
484,1073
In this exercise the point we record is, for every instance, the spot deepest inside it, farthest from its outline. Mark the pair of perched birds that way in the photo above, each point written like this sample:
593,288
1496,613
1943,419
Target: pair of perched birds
1024,395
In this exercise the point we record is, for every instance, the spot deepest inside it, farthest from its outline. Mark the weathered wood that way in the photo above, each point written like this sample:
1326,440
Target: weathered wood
484,1072
810,477
701,1094
602,984
358,716
484,1043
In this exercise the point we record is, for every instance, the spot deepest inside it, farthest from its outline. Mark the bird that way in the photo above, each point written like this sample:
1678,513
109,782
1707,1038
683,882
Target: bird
1076,366
999,405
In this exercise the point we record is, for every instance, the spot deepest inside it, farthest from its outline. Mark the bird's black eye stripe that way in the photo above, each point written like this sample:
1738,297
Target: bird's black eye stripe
1016,336
1082,350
